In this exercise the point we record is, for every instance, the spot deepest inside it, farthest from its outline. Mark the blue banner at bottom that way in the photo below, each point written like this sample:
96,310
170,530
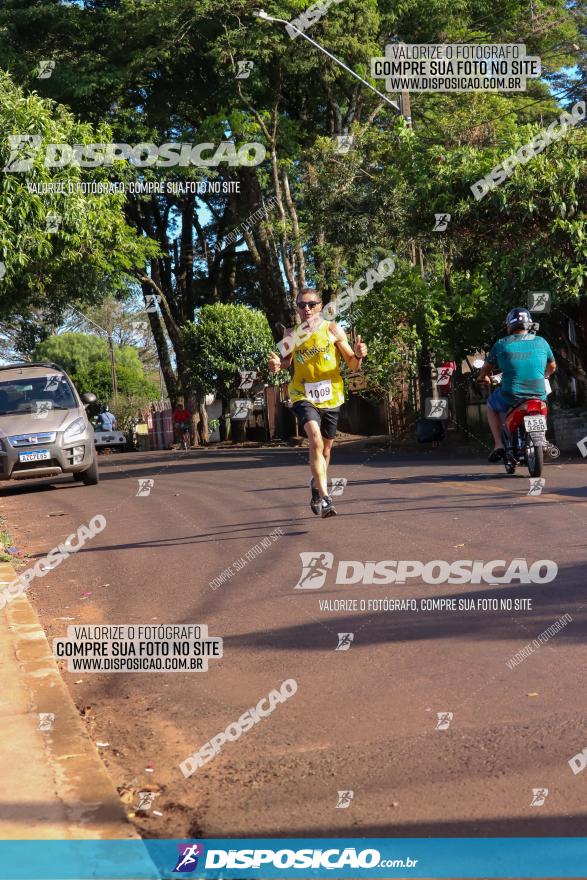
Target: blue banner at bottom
235,859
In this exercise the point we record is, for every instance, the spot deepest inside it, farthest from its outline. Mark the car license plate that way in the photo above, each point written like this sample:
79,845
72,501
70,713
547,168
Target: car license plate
534,423
37,455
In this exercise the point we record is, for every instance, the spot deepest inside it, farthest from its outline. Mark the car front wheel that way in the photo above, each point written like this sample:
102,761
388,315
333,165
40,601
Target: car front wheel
89,477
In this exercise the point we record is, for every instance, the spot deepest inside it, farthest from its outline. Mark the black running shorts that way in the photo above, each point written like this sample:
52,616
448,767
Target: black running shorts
326,418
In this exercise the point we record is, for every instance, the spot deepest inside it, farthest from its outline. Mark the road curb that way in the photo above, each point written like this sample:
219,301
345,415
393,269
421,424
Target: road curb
78,799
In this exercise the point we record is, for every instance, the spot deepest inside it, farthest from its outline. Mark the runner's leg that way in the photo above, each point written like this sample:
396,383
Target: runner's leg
327,441
317,460
328,426
327,507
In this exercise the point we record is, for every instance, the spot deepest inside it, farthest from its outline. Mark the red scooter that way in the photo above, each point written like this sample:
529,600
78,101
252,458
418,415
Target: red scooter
524,437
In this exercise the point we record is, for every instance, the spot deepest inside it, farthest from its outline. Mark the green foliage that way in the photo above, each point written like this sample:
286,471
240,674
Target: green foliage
127,408
5,542
385,319
86,359
224,339
165,70
93,249
528,234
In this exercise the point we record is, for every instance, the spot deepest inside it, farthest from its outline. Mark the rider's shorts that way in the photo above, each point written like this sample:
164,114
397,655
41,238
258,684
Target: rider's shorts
497,403
183,426
327,418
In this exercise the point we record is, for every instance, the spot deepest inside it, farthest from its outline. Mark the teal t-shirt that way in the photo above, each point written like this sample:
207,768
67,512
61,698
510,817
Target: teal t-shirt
522,358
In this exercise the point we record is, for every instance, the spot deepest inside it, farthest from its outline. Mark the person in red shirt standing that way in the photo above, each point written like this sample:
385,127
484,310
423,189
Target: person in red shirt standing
182,421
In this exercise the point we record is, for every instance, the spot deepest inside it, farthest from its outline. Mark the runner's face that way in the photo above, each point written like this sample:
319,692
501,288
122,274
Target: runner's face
309,307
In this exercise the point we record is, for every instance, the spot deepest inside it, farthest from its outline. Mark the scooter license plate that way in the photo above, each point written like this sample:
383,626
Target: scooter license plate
534,423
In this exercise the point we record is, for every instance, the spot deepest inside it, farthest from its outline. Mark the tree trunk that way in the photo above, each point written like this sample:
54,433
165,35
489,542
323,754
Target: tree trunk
192,404
460,399
459,389
265,254
425,369
163,352
224,426
203,423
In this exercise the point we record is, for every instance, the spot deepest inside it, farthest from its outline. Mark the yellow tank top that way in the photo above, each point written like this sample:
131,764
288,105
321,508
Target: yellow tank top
317,371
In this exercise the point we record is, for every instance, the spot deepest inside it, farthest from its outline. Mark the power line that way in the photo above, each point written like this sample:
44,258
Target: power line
565,93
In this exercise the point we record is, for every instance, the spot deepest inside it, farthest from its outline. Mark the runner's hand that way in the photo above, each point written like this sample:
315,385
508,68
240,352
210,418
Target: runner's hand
360,348
274,362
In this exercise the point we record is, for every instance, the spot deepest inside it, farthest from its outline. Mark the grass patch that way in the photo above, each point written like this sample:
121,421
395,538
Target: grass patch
5,541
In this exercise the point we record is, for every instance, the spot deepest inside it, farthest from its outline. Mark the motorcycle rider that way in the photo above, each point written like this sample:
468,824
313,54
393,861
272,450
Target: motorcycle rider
106,420
524,360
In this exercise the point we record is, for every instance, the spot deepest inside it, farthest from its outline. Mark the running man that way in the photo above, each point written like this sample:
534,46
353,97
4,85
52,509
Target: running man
316,389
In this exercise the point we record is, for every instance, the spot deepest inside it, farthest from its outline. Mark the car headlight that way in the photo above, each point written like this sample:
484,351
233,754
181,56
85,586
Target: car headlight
74,430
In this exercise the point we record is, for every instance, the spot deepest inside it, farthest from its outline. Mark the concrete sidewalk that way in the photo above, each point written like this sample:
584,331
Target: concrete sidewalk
54,785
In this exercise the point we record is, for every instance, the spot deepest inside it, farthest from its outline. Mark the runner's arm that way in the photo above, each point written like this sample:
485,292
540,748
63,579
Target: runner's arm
352,358
275,362
550,368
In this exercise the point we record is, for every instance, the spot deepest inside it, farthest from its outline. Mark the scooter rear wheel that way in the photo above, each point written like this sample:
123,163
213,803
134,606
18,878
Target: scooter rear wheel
535,460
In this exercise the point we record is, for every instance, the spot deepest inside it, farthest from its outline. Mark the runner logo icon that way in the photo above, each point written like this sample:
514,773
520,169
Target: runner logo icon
539,795
344,799
344,641
444,719
314,568
187,861
338,486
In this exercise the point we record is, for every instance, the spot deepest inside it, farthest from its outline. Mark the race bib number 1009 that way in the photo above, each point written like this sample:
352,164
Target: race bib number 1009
318,392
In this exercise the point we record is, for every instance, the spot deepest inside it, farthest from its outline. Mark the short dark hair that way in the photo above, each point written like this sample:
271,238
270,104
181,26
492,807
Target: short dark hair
310,290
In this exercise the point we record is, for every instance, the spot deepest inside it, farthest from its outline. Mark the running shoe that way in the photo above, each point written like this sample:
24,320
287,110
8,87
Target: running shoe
327,507
497,455
315,501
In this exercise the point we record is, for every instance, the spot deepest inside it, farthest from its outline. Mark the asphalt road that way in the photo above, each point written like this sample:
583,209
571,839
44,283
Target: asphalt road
363,719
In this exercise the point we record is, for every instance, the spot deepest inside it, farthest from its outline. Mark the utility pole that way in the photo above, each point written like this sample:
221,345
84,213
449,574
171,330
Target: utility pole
112,368
260,13
404,103
405,107
428,372
110,346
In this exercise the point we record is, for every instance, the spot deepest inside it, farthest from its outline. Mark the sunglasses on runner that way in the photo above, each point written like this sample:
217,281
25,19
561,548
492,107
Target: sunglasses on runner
308,305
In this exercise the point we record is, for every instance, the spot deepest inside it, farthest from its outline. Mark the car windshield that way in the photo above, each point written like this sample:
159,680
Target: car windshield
40,394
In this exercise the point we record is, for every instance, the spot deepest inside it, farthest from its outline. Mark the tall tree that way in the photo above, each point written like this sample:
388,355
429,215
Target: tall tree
61,246
173,76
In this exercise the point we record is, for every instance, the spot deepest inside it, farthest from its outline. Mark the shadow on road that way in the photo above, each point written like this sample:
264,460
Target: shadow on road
508,826
145,465
409,626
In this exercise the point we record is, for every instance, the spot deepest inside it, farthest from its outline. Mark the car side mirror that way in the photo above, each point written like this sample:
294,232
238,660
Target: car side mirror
88,398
